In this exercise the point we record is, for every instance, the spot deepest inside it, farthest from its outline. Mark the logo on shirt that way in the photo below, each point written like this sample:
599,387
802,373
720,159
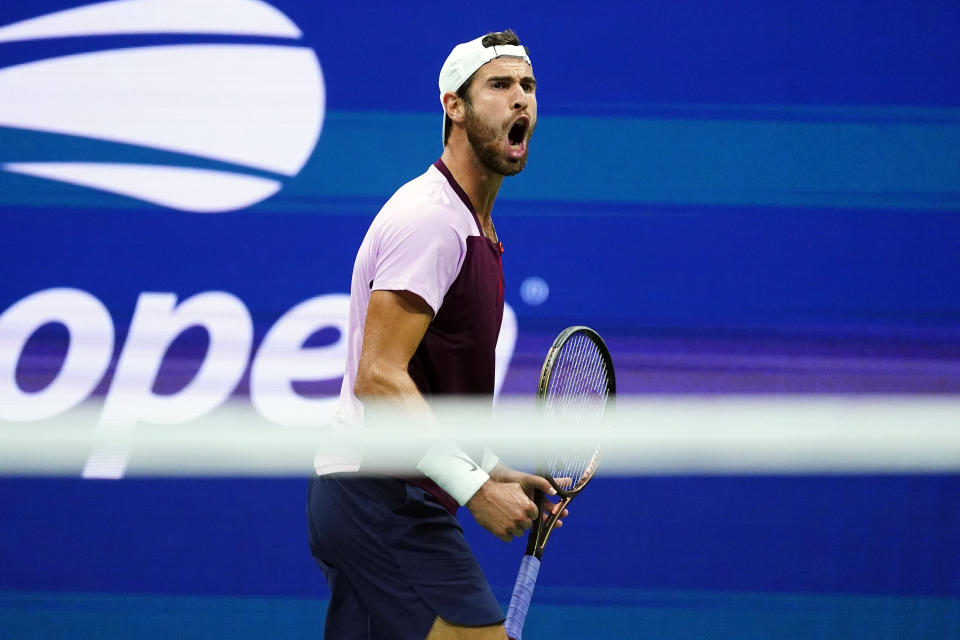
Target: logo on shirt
196,126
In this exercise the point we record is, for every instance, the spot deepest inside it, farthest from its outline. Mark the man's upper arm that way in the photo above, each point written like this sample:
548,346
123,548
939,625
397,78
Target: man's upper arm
395,324
420,252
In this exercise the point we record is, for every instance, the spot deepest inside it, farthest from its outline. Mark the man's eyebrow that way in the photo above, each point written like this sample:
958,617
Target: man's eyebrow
526,79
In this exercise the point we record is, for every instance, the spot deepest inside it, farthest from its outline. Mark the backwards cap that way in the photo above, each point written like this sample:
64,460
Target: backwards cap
464,61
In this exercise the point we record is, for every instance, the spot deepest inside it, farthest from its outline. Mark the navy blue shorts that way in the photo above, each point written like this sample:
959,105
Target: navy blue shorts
394,558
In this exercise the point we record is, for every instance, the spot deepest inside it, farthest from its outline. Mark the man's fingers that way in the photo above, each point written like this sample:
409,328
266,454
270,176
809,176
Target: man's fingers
532,512
531,481
553,510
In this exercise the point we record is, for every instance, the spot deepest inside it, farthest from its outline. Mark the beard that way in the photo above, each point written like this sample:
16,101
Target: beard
486,141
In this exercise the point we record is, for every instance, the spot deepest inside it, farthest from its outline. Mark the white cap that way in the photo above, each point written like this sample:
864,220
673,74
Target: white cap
465,59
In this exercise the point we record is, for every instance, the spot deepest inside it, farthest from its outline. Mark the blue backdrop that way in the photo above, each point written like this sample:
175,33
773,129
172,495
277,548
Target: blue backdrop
741,196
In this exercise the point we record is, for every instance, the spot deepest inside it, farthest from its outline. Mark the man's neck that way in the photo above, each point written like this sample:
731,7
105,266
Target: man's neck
479,183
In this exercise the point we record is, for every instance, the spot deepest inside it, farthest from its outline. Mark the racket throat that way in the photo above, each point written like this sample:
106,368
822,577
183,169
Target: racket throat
546,528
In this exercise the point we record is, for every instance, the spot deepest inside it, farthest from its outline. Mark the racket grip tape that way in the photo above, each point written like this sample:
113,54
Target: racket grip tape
522,593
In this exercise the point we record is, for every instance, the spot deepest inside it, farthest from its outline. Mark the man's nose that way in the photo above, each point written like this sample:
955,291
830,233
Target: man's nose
519,97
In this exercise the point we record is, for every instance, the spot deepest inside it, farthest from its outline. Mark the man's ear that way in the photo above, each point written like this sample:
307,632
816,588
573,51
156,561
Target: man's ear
454,107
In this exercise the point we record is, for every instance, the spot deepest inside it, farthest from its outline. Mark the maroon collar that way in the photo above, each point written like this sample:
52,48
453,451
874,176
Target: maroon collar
442,168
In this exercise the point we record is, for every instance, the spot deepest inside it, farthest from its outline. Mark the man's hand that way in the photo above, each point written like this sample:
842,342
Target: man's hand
494,506
529,482
503,509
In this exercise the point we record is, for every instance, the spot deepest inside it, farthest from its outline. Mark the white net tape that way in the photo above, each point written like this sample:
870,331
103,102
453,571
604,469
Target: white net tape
646,435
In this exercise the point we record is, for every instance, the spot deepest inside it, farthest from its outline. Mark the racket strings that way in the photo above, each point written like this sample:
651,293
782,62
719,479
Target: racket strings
576,394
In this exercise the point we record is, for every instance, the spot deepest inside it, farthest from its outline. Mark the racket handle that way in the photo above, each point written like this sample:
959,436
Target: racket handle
522,593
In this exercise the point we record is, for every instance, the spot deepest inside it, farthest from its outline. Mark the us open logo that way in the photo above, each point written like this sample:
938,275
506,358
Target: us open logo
198,126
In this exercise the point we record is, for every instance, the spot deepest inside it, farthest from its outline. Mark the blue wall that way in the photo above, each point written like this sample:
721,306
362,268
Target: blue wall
741,164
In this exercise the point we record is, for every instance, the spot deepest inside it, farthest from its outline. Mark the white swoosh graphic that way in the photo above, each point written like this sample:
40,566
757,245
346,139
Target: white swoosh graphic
184,188
234,17
255,105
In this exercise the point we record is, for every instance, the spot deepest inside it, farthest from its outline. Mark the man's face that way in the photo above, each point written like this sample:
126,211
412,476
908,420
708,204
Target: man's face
501,115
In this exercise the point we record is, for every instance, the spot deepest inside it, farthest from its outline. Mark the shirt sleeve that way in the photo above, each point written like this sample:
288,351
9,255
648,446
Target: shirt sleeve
421,253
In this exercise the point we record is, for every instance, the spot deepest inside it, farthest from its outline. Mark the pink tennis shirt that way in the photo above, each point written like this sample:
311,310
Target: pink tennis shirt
427,240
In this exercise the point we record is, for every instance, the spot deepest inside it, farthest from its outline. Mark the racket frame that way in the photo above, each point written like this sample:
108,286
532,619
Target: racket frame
542,528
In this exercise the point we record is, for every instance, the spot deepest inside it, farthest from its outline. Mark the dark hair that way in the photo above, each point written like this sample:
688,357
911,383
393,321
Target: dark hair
492,39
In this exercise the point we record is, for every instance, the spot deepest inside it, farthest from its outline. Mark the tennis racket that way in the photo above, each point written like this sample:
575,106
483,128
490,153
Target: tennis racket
576,384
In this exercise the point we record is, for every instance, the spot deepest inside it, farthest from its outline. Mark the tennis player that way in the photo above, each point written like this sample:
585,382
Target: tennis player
425,312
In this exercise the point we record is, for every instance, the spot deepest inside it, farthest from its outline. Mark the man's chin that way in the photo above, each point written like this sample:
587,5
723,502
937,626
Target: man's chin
504,166
494,157
513,167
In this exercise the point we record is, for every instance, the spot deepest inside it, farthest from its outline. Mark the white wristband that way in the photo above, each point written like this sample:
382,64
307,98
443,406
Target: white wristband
489,460
451,468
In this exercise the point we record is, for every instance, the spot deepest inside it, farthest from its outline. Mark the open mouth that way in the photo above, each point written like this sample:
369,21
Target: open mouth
517,138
